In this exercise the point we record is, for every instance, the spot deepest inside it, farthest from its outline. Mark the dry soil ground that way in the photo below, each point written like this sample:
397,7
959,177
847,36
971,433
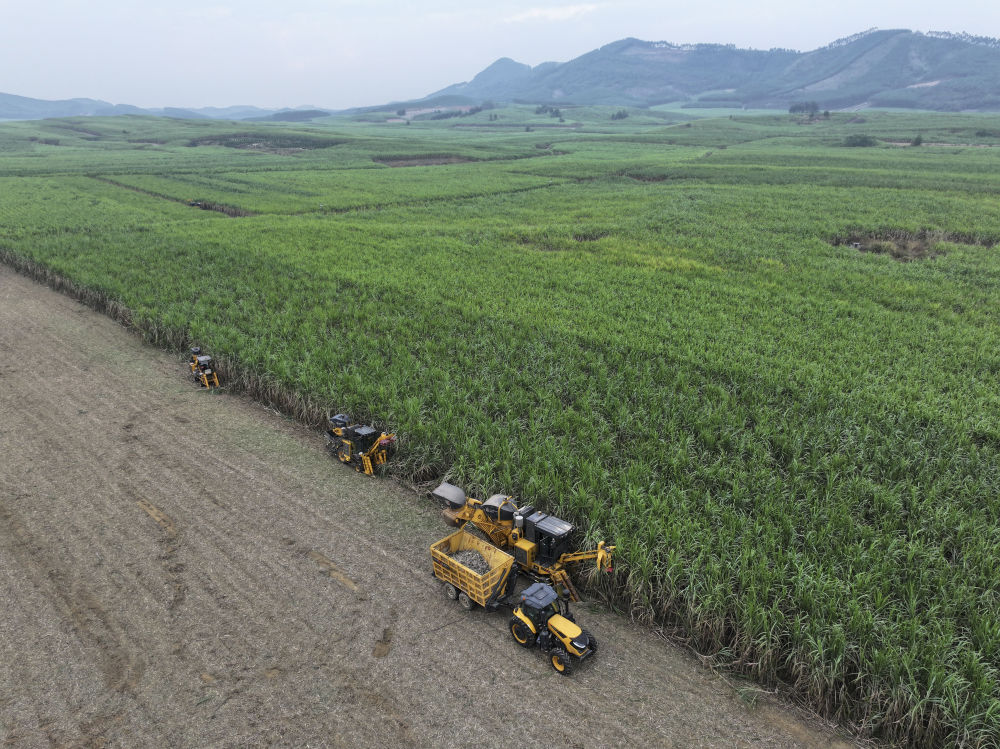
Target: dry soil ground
183,568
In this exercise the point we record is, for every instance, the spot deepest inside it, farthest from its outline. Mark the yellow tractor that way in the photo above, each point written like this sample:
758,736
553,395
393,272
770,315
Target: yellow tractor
543,620
201,368
538,542
362,446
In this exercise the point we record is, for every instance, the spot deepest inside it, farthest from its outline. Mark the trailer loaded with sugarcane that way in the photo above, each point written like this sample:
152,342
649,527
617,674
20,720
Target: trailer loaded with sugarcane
475,573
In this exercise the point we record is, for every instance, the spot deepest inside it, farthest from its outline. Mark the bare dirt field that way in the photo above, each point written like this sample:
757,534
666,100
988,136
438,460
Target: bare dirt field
181,568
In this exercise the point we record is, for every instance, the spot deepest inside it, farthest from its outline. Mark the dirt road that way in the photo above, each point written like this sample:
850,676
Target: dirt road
182,568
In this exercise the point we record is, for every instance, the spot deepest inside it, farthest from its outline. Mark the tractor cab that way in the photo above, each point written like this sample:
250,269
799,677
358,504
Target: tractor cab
540,602
361,437
338,423
549,534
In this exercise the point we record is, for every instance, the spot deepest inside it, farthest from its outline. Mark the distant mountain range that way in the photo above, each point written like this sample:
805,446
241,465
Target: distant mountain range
24,108
873,69
896,68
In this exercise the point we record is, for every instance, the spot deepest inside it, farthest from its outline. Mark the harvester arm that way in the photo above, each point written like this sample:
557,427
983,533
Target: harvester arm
602,554
381,443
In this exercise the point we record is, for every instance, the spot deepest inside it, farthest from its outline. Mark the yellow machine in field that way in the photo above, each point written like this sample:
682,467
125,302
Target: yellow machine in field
362,446
540,618
543,620
201,368
538,542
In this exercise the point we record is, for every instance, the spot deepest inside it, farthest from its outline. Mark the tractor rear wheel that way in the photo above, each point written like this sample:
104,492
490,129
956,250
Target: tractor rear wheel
520,632
464,601
560,661
343,453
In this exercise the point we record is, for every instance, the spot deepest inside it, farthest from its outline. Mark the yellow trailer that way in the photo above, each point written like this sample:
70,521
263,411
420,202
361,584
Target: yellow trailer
466,585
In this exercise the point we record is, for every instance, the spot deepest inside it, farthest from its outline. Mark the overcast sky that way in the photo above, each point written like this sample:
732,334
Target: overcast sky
343,53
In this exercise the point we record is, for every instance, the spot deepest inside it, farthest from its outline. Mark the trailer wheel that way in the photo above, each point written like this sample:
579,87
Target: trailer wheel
451,591
560,661
464,601
521,634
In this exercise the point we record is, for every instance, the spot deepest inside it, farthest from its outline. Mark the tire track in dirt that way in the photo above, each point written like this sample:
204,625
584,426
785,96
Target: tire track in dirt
120,665
254,603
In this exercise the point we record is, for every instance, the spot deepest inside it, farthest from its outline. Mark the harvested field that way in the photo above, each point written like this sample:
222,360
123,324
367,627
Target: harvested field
904,246
183,568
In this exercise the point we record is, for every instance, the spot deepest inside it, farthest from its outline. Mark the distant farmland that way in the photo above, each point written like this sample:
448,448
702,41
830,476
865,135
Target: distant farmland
766,364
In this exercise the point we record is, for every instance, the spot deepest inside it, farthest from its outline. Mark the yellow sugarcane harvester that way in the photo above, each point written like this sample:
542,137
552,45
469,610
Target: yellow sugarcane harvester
359,445
201,368
538,542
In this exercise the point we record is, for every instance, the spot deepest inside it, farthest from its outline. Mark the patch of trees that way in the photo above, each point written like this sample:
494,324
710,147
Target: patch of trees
844,41
860,141
982,41
621,114
804,107
438,115
546,109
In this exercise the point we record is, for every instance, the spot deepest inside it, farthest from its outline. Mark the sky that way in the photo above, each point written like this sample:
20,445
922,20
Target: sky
343,53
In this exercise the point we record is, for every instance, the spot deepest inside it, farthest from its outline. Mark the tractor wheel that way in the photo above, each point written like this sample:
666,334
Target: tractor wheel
343,454
464,601
451,591
520,632
593,642
560,661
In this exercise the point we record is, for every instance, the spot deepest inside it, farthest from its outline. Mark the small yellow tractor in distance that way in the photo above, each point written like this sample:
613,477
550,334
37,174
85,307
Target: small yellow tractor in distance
201,368
543,619
538,542
362,446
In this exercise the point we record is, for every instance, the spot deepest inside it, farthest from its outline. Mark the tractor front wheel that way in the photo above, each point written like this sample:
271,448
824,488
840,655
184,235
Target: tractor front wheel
520,632
560,661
